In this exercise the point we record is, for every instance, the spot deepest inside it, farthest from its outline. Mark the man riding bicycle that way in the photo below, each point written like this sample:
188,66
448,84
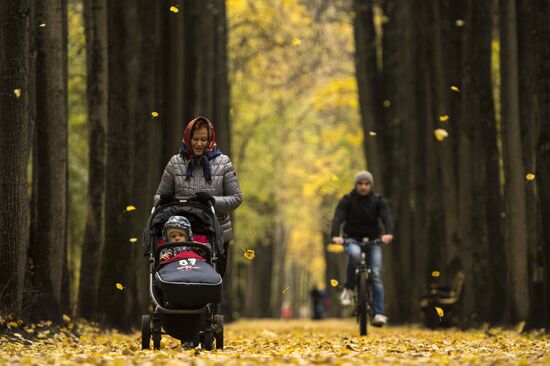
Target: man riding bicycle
360,211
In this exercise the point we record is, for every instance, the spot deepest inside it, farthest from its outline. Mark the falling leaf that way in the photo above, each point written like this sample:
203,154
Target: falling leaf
174,10
250,254
285,290
296,42
119,286
459,22
334,282
439,311
335,248
436,274
334,177
440,134
530,176
133,240
455,88
154,114
372,133
386,103
66,318
17,92
129,208
444,118
42,25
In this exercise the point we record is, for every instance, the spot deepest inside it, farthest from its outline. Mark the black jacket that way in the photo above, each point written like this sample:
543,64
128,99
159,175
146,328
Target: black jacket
360,216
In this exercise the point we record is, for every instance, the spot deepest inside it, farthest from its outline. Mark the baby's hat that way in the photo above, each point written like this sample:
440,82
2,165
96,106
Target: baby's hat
177,222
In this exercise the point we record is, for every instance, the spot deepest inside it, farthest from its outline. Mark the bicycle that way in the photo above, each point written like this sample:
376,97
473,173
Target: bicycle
363,287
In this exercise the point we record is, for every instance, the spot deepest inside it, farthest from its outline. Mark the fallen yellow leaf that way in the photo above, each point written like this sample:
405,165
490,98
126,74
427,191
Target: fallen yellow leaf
441,134
530,176
119,286
66,318
154,114
439,311
250,254
436,274
334,282
334,177
130,208
296,42
173,9
444,118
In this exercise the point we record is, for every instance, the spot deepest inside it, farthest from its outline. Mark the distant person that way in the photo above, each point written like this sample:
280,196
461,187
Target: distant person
201,169
318,298
361,211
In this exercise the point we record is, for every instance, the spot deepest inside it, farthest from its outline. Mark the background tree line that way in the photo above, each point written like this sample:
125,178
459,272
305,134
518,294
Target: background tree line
475,199
97,93
149,67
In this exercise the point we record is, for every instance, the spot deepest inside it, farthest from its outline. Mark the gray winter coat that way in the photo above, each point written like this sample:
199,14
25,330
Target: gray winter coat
224,187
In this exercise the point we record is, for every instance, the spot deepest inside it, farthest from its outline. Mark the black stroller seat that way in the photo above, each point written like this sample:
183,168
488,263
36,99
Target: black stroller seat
186,292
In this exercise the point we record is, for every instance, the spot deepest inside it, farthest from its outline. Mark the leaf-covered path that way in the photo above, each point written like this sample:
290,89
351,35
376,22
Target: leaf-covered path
268,342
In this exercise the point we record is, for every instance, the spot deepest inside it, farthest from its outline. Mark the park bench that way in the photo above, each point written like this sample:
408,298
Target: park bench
446,299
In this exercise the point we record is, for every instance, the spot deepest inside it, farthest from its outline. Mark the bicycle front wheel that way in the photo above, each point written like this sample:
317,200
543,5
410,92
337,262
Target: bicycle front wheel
362,305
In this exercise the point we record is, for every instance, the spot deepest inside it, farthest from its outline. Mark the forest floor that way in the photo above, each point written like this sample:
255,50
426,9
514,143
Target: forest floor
295,342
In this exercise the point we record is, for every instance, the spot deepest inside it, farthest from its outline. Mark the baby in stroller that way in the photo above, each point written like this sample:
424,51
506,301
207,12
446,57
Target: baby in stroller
185,286
178,229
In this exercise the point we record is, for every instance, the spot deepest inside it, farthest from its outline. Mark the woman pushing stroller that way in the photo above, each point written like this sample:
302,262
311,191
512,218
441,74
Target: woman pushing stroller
201,169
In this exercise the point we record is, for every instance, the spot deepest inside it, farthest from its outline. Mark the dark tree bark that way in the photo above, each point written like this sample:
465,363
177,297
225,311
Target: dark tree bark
478,178
172,115
368,82
117,265
95,18
15,131
527,58
542,14
47,248
515,172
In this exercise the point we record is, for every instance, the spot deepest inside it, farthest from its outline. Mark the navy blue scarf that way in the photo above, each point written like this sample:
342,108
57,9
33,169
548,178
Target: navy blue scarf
203,159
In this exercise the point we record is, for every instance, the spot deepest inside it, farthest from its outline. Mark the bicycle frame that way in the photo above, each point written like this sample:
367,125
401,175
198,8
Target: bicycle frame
363,287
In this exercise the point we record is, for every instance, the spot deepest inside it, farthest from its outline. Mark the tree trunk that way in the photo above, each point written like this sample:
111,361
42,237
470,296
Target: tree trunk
117,265
542,13
172,116
95,17
368,85
47,249
15,134
527,55
515,172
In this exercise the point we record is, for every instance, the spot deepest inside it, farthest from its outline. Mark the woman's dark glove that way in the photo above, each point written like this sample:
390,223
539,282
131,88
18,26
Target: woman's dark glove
206,198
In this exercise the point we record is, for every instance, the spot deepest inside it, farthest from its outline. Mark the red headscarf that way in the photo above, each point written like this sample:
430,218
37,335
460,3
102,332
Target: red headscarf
188,133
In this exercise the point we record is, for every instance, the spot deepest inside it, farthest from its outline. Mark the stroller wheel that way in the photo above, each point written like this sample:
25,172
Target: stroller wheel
145,332
207,341
218,331
156,331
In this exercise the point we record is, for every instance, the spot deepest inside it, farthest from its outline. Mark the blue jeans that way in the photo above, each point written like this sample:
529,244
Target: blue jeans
374,261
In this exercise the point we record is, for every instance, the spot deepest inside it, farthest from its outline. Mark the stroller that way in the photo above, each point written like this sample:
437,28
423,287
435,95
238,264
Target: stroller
186,293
